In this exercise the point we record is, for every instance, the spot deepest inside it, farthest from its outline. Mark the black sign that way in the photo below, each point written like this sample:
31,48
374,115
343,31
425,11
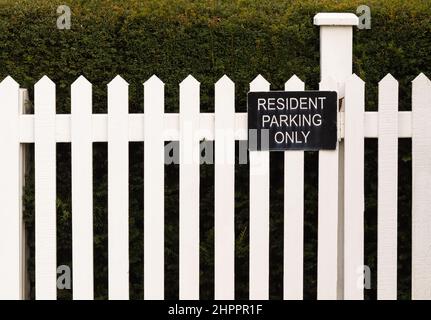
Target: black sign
292,120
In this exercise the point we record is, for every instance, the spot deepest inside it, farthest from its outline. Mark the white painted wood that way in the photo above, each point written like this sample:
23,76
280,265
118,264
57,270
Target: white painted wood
388,124
189,189
154,188
293,271
82,190
387,189
354,188
224,190
45,190
336,44
171,126
327,253
10,191
259,214
421,202
118,190
404,124
335,19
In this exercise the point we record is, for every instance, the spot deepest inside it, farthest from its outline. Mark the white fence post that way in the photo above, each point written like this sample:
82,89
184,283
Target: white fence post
336,38
82,189
118,189
387,180
45,190
10,211
354,189
293,271
259,214
189,189
154,189
336,43
328,218
421,188
224,190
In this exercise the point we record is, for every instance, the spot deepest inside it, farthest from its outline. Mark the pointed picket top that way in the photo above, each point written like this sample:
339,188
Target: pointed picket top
189,96
421,93
154,81
118,80
44,82
224,95
421,79
44,97
387,86
225,86
81,94
294,83
224,81
9,82
190,81
354,94
9,98
388,79
118,95
328,84
81,81
154,95
259,84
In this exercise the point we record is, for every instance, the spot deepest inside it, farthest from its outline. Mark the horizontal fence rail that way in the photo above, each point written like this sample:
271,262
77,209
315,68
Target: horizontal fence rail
81,128
206,130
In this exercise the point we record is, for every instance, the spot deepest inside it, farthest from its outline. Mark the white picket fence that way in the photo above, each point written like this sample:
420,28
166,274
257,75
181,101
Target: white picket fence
340,184
81,128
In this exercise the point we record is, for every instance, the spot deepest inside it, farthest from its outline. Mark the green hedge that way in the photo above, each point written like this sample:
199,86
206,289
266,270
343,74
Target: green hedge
172,38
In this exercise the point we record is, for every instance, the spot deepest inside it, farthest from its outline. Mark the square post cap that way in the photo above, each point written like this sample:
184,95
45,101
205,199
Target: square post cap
335,19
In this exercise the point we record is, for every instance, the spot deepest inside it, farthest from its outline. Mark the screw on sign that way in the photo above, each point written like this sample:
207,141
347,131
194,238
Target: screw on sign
294,120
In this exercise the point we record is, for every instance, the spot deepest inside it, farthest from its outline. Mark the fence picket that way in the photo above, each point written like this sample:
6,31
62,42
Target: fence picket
293,214
354,188
10,214
327,237
189,189
224,190
82,189
45,190
154,189
259,214
387,189
118,189
421,197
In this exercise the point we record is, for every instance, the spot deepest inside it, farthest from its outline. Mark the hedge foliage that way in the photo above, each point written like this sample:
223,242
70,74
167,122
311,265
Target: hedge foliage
173,38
